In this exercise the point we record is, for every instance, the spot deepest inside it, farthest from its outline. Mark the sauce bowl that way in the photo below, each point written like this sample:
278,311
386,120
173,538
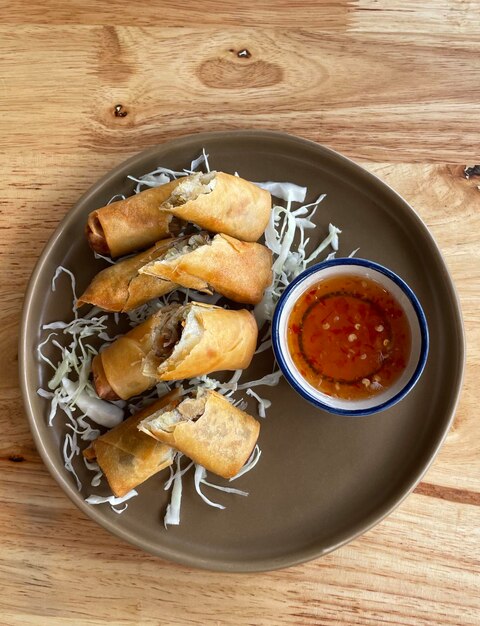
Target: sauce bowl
404,297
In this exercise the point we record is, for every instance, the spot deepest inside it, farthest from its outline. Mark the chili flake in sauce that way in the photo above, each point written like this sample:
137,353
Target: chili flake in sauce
349,337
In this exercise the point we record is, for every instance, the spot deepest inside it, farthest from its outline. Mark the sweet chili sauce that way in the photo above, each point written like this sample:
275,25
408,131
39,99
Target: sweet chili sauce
349,337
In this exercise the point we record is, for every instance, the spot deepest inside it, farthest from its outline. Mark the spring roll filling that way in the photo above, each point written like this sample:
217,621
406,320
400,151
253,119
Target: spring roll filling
176,334
185,247
96,235
189,410
191,187
168,334
100,382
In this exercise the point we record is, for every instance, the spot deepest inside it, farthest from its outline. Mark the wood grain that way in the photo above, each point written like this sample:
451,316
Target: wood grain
393,85
448,17
368,95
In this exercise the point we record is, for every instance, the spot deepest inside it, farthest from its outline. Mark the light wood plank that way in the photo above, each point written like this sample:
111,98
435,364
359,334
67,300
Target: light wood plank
441,16
404,572
408,570
393,85
376,97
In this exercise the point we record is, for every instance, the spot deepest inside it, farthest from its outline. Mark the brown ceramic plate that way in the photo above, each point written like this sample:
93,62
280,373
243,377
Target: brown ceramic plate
322,479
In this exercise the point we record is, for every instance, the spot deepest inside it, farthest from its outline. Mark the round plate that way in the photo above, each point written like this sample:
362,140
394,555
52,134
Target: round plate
322,479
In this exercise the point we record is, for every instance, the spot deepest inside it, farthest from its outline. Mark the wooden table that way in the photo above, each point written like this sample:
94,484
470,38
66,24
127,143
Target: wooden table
393,85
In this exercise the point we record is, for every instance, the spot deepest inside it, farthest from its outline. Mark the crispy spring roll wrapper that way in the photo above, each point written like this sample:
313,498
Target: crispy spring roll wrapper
117,370
180,341
207,429
127,456
237,270
221,203
131,224
121,288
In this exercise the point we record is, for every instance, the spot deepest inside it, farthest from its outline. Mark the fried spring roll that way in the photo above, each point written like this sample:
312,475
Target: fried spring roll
121,288
128,457
207,429
132,224
117,370
221,203
180,341
235,269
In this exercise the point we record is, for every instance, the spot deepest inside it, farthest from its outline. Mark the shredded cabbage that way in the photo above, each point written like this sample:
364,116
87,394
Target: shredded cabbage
70,450
284,226
203,158
179,472
117,196
269,379
97,255
265,345
200,479
70,390
101,412
113,501
162,175
285,191
172,514
237,492
77,399
250,464
94,467
158,177
263,403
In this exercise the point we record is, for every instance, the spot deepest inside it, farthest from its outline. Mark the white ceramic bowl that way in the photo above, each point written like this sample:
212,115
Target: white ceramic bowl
404,296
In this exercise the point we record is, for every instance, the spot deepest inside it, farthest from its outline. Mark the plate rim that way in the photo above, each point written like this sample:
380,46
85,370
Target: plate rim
262,564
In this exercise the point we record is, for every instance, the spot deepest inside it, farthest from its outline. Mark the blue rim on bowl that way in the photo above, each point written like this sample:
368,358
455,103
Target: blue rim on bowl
419,350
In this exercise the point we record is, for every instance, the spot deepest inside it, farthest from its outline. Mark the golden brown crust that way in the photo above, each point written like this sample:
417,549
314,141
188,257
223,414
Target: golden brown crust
121,363
218,339
237,270
128,457
235,207
95,235
89,453
100,382
221,440
121,288
131,224
227,342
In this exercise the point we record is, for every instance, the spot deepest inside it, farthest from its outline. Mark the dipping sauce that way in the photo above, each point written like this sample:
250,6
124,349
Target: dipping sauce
349,337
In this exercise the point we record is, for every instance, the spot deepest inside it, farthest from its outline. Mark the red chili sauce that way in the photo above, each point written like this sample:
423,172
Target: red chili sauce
349,337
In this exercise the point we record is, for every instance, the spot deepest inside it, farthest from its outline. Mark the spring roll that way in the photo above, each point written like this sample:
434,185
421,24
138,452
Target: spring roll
180,341
121,288
221,203
207,429
235,269
132,224
126,456
117,369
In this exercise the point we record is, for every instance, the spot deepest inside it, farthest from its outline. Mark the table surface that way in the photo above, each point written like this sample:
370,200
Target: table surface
393,85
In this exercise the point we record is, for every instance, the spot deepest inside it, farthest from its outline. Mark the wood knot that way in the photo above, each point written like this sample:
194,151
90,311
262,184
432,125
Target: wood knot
241,54
119,111
16,458
223,73
470,172
116,116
